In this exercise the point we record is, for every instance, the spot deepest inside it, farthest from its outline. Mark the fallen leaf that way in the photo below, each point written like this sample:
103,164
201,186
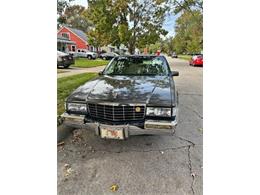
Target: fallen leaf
200,129
61,143
193,174
69,170
67,166
162,152
114,188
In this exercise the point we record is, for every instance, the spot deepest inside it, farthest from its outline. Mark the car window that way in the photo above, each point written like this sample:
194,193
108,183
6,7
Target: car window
137,66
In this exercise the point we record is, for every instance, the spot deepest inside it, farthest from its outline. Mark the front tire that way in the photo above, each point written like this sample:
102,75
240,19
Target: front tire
89,57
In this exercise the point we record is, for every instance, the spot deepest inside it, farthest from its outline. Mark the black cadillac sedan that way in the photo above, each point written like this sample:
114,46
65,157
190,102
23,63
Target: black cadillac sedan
133,95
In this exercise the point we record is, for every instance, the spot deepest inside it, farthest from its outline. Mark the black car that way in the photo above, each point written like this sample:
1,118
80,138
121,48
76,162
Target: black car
108,56
133,95
64,60
174,55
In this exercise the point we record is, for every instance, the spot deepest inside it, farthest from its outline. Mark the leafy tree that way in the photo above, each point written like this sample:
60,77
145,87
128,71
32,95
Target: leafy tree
134,23
154,47
189,32
188,29
61,6
178,6
74,16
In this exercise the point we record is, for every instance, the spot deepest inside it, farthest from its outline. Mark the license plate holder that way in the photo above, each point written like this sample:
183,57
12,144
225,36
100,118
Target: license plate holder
110,132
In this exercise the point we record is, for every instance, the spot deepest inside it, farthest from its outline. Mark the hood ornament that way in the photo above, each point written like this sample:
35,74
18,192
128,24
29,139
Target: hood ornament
137,109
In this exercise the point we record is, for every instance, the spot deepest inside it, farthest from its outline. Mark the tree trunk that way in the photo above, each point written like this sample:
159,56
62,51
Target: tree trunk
131,48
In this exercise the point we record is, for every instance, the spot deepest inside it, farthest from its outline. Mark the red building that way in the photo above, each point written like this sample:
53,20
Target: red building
78,37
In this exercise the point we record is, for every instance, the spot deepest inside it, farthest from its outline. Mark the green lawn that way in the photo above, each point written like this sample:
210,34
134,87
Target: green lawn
185,57
68,84
85,63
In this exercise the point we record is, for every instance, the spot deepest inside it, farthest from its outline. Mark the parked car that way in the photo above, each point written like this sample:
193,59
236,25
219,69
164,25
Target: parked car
174,55
84,54
64,60
108,55
133,95
196,60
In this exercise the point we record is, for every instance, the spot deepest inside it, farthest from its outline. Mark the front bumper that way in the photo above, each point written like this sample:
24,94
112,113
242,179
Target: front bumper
151,127
66,62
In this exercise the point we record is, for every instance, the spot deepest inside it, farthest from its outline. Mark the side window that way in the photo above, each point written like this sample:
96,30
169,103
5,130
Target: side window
65,35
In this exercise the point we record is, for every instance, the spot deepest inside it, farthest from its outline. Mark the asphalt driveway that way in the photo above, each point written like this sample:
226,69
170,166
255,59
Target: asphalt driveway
141,164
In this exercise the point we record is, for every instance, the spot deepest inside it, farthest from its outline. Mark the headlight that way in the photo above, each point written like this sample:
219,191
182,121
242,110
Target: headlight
174,111
153,111
77,107
59,59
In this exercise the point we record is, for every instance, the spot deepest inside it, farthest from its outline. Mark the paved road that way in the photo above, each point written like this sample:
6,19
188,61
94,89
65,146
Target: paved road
75,70
141,164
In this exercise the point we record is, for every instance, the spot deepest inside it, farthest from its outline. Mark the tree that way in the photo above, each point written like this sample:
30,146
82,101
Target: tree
178,6
61,6
134,23
154,47
74,16
189,32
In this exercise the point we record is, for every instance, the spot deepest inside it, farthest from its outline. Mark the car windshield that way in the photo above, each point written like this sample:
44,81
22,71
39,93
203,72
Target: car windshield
150,65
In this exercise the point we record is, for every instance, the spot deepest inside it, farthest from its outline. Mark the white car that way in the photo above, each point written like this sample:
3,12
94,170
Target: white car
84,54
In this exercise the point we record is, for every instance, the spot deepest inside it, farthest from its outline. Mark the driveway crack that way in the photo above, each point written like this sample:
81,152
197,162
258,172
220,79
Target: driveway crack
191,171
186,140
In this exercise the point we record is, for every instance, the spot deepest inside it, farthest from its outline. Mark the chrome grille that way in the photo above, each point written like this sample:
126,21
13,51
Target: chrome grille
116,113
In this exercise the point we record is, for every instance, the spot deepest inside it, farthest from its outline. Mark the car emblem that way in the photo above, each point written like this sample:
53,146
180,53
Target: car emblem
114,94
137,109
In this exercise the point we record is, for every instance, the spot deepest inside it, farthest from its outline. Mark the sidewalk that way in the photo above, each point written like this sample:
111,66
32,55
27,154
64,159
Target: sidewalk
74,70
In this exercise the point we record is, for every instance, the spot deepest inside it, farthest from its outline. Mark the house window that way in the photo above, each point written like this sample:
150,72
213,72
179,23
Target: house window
65,35
73,48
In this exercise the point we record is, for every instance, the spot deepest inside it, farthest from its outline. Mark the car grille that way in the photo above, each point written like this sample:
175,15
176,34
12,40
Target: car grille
67,57
116,113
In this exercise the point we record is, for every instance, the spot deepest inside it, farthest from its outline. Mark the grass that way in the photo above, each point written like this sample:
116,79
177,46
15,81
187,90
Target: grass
85,63
68,84
184,57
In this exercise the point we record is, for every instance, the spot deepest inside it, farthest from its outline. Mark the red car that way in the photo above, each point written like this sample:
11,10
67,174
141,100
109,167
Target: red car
197,60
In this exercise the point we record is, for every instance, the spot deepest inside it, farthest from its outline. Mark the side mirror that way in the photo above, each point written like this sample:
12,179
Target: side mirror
100,72
175,73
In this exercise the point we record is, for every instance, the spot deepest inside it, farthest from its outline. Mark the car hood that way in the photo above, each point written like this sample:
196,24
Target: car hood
59,53
152,90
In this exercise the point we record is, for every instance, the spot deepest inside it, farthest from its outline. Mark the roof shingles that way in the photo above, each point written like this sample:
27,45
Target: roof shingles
79,33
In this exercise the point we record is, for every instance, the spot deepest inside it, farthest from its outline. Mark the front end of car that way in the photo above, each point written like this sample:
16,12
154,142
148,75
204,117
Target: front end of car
119,121
65,60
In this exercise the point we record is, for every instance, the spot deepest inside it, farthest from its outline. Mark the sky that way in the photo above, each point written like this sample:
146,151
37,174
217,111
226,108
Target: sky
168,25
